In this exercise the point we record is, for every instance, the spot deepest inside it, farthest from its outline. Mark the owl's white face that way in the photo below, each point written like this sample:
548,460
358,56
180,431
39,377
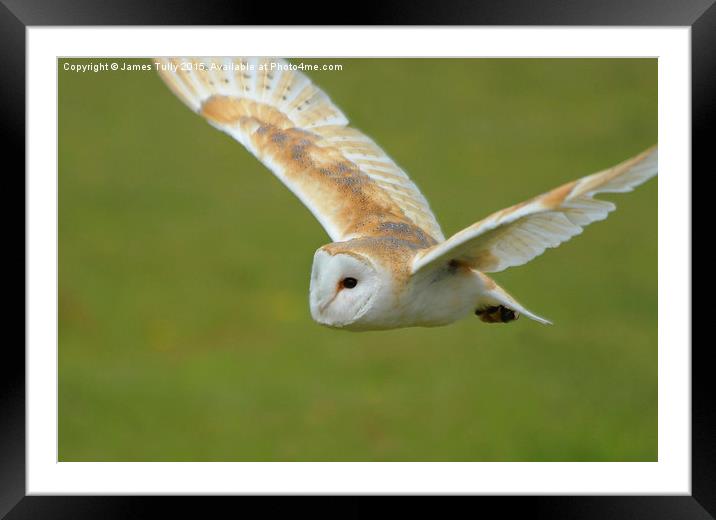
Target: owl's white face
344,287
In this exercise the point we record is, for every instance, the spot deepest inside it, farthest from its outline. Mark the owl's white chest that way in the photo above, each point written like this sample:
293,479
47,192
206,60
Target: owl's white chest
427,301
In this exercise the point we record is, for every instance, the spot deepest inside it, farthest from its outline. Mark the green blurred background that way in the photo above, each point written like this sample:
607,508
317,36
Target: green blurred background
184,327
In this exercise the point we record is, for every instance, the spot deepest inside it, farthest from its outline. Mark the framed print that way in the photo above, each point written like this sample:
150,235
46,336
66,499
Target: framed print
192,330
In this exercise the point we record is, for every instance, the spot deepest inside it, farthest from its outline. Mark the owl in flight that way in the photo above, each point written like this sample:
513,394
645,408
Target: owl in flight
389,264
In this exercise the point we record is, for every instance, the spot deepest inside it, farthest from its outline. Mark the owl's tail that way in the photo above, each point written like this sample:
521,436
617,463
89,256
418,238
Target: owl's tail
497,306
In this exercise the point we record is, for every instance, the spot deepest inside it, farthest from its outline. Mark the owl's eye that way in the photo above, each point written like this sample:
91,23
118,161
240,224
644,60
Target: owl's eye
349,283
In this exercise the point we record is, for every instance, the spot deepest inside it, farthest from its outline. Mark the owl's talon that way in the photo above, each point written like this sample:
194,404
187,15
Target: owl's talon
507,314
497,314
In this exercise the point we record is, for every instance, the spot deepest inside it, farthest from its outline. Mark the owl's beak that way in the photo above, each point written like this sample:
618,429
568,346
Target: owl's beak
323,306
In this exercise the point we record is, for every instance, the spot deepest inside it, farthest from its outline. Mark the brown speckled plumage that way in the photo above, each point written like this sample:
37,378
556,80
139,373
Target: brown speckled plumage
344,178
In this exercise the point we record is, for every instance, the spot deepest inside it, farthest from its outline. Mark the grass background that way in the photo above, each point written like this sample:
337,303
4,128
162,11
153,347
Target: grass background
184,328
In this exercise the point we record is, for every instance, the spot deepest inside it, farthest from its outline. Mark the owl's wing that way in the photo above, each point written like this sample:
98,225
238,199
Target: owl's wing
516,235
349,184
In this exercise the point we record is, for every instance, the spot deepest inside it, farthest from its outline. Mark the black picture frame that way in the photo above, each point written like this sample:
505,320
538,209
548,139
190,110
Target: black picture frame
17,15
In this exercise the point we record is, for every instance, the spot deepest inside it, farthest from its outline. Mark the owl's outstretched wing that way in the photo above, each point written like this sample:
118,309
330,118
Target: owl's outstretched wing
350,185
515,235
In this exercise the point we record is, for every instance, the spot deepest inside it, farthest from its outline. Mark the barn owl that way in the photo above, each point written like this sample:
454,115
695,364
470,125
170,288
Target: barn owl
388,264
